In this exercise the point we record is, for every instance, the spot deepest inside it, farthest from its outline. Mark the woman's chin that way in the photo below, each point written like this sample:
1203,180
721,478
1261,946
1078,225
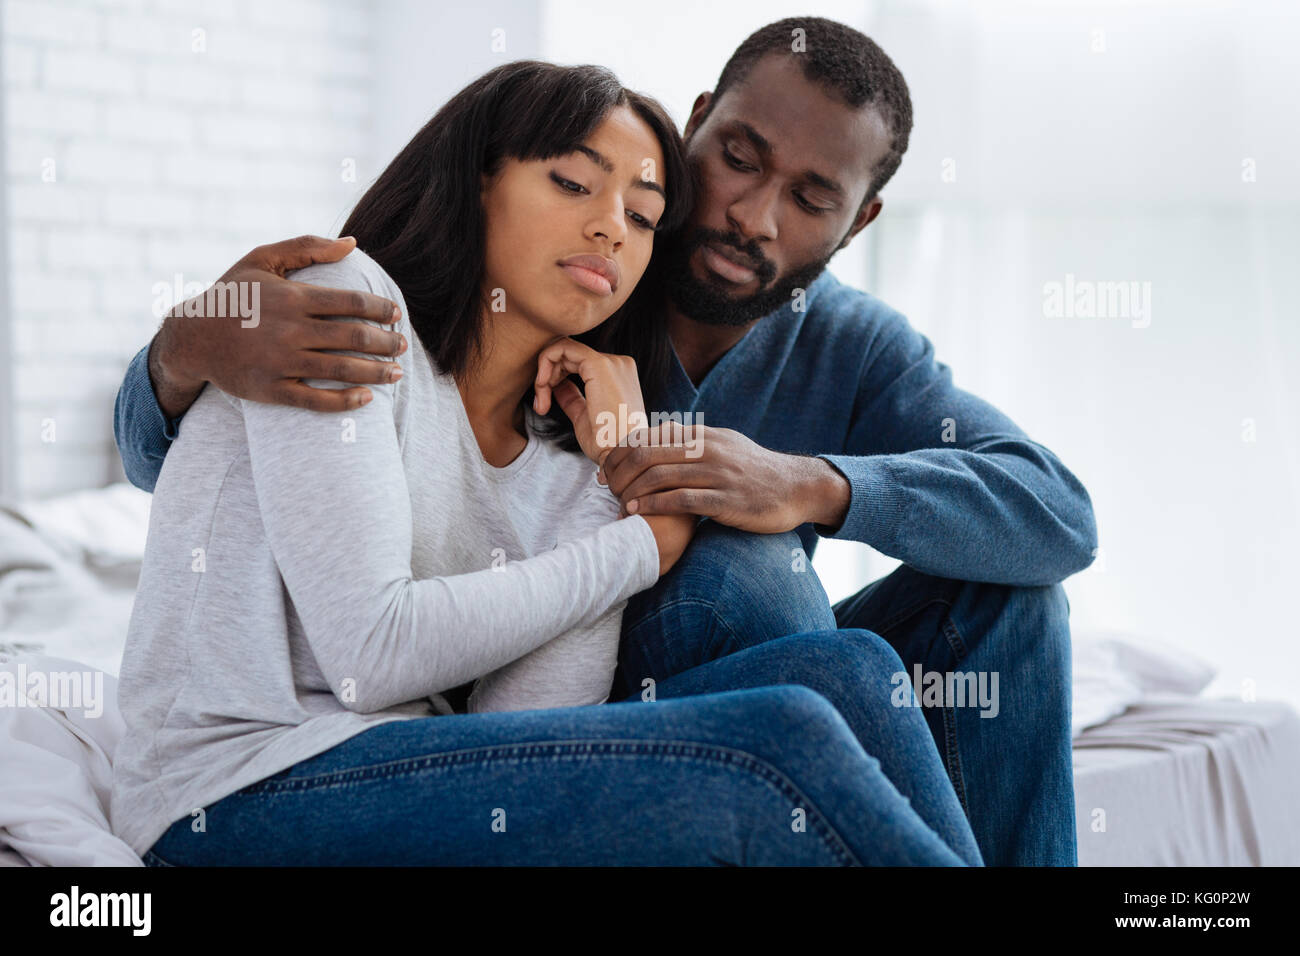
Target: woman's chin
568,325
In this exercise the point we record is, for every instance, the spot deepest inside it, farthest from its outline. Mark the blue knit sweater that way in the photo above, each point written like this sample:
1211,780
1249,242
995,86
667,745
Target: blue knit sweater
940,479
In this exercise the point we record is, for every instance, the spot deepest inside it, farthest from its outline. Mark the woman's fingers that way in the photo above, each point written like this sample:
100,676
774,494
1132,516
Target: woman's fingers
557,362
572,402
610,384
552,375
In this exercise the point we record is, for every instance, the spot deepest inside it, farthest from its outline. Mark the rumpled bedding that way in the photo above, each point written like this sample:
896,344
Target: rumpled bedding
58,769
68,572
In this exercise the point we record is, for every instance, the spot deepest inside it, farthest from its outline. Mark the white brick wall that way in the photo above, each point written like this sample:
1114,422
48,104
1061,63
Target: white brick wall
165,159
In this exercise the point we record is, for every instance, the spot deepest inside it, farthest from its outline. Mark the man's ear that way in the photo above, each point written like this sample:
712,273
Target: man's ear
867,213
697,113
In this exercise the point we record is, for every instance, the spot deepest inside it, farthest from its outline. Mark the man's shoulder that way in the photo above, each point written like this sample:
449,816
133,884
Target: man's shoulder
836,305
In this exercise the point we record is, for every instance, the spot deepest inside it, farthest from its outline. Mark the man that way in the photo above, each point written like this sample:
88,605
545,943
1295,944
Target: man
826,414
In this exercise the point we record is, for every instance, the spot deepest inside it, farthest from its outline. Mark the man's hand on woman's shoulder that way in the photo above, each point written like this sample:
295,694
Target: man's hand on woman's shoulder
263,356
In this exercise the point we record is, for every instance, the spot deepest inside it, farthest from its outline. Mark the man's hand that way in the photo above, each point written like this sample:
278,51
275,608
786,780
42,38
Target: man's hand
265,360
719,473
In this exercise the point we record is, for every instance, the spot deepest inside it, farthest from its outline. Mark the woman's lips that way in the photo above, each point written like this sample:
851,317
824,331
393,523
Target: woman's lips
725,268
589,279
598,274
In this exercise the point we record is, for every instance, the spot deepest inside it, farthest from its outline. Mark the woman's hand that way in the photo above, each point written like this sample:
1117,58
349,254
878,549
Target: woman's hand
613,405
672,533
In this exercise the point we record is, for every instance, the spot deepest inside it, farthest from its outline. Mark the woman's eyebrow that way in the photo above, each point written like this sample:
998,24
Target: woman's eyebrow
600,160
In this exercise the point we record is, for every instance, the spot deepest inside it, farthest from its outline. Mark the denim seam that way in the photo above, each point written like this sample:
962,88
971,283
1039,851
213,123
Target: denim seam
955,641
718,620
920,605
660,608
704,753
953,755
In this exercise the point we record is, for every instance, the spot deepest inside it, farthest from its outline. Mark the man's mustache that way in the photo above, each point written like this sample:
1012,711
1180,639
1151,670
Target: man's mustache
753,255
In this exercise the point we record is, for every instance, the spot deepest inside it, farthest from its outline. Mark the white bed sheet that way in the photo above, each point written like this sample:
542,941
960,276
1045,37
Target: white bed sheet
56,768
1190,782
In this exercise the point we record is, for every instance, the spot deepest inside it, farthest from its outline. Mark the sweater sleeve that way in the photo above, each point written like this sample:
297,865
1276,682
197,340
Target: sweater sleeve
948,484
143,433
575,669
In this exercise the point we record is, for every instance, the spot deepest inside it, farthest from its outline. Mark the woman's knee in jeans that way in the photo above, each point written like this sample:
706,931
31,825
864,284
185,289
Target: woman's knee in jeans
797,740
795,721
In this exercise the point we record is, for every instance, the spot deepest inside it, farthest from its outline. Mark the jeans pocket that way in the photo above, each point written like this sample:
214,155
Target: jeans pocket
153,859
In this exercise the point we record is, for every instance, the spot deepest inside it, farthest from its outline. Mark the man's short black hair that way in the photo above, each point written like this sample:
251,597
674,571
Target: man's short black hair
846,63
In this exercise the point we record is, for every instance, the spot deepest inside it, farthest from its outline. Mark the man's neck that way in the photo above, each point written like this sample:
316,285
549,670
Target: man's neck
699,346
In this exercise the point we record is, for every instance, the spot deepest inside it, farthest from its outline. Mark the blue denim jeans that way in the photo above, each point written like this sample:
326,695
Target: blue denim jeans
771,771
1011,771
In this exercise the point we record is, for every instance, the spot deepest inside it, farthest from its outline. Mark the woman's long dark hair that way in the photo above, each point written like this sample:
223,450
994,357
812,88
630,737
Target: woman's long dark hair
424,223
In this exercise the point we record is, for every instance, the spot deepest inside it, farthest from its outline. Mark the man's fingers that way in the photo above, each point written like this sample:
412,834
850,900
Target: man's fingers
345,368
300,252
680,501
355,337
624,464
320,399
353,304
663,477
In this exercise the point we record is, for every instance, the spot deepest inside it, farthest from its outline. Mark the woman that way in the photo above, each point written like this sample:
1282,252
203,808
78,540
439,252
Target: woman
319,594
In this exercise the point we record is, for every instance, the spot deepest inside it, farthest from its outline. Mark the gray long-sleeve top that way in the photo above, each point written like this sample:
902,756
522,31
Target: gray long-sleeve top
310,575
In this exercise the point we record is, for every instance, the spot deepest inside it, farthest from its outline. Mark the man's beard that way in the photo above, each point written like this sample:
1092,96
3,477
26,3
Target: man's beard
703,300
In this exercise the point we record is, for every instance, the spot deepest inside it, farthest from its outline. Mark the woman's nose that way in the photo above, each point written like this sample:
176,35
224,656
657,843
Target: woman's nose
610,227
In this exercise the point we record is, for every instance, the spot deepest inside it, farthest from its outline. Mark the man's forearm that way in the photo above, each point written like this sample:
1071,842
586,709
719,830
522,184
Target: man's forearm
175,392
1015,516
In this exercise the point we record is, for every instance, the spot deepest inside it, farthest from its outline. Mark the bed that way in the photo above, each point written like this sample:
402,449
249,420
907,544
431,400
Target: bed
1190,782
1163,775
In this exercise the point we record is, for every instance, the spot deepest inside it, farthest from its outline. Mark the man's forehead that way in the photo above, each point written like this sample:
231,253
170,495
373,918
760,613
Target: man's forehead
805,124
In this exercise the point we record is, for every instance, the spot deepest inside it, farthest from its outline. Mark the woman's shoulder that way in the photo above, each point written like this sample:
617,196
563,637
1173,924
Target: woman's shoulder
356,272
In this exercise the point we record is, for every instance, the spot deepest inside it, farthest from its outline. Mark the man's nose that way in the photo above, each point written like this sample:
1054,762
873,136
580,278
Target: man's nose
754,212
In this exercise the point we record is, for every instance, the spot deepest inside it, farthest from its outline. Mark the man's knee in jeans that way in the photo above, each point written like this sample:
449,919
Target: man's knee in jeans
1036,622
730,590
1023,632
1045,613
